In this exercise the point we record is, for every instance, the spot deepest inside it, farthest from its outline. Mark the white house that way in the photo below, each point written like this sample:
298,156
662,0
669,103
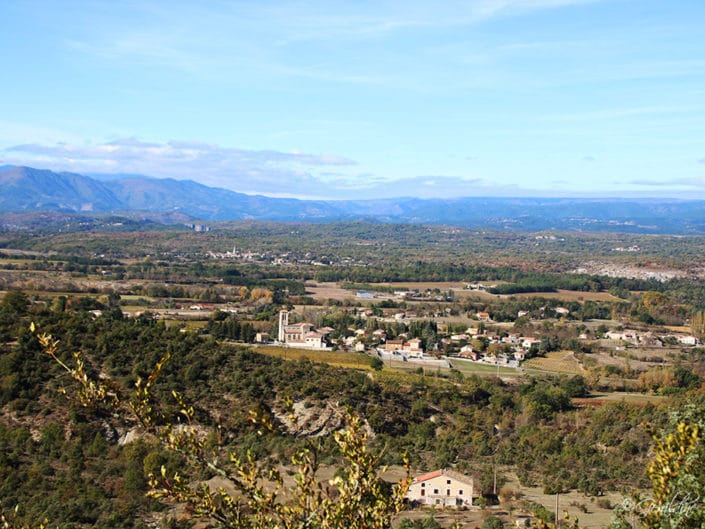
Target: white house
688,340
526,343
262,337
379,334
442,487
628,336
314,340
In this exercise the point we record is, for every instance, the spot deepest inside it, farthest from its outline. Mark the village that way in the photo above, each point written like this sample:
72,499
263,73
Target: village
483,342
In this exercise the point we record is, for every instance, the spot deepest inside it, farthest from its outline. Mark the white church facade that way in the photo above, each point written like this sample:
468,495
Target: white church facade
303,335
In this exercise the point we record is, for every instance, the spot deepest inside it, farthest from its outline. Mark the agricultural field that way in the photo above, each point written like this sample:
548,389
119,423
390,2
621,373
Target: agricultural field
556,362
569,296
332,358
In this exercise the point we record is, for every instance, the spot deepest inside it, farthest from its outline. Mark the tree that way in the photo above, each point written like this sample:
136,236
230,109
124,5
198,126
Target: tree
697,324
427,523
677,475
492,522
355,498
13,520
15,303
376,363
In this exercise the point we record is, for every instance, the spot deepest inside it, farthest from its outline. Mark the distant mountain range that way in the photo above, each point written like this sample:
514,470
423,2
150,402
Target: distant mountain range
26,190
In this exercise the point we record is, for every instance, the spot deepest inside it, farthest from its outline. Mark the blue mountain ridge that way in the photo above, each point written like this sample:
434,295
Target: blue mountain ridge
26,189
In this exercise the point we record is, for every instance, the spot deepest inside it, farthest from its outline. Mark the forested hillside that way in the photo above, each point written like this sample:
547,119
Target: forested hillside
64,463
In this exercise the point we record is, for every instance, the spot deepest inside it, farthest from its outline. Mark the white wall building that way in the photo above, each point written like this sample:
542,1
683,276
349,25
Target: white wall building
442,487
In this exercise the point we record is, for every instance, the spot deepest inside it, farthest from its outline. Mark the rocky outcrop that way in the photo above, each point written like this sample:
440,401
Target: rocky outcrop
308,419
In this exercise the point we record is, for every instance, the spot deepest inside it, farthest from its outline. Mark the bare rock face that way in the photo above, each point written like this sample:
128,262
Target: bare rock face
137,432
110,434
130,436
306,419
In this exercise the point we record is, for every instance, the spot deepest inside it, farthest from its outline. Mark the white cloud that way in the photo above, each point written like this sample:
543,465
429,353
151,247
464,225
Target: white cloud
268,172
443,186
250,171
680,182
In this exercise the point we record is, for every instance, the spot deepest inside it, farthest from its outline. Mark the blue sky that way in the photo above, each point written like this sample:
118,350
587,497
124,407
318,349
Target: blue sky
326,99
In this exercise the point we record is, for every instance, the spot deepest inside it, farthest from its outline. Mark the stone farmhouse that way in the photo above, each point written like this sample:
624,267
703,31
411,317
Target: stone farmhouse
443,487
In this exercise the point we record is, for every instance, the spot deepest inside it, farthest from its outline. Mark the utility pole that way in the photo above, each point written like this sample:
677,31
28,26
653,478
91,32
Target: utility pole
494,479
557,521
498,437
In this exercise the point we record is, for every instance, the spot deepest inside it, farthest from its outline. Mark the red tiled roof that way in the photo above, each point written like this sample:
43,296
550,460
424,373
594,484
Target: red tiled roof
444,472
430,475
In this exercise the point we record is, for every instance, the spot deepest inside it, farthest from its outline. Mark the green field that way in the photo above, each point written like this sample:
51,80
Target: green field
476,368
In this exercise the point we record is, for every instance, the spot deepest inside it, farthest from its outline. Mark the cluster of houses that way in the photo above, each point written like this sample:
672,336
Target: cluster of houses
285,258
307,336
513,347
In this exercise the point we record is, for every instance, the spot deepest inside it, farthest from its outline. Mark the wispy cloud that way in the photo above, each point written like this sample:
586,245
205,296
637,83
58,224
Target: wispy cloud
542,45
652,183
695,181
250,171
441,186
675,182
161,35
133,149
268,172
